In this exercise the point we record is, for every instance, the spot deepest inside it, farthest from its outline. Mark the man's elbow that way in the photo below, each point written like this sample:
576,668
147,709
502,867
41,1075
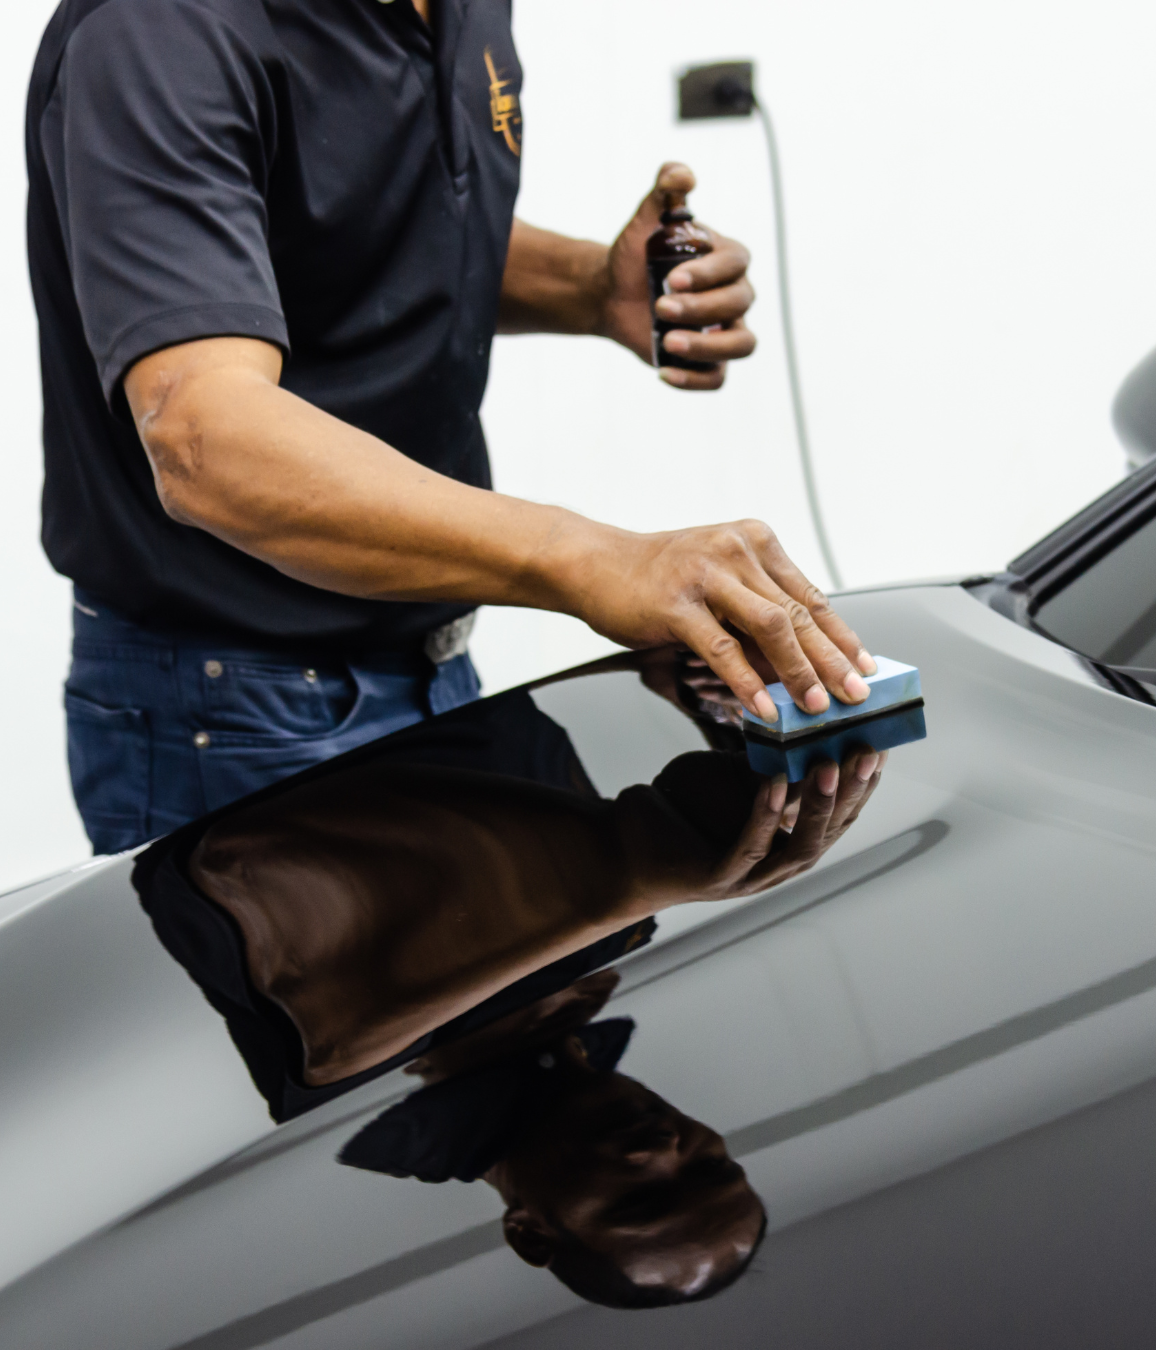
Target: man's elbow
164,401
175,451
177,397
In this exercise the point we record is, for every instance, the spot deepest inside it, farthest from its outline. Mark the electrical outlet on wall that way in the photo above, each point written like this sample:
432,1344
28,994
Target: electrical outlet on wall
724,89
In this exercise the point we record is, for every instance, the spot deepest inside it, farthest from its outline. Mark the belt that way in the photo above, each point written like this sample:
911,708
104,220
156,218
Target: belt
440,644
450,640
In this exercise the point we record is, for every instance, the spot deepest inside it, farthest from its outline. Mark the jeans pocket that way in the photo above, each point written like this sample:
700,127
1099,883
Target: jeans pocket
257,702
109,754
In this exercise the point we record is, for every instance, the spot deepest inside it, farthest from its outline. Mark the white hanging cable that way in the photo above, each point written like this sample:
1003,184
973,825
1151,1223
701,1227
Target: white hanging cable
788,326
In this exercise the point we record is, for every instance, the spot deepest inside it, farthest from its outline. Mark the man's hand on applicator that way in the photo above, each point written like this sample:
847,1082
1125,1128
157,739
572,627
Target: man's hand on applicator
728,593
710,292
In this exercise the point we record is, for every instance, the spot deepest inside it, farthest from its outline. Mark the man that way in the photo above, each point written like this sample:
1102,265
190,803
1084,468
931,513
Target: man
270,243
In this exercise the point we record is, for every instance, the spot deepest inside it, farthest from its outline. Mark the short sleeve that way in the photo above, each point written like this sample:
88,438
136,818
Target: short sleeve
159,139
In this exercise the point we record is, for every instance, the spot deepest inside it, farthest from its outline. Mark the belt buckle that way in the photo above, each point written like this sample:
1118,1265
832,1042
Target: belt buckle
450,640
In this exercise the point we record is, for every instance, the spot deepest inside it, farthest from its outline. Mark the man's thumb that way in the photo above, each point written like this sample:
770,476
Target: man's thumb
674,181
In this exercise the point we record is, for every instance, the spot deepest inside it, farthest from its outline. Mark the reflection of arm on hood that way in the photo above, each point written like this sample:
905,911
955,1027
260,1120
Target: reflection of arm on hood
398,896
402,899
505,741
207,943
398,899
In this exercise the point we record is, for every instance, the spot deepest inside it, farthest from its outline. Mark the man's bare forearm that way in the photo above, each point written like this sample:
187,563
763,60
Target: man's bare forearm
326,503
234,454
553,284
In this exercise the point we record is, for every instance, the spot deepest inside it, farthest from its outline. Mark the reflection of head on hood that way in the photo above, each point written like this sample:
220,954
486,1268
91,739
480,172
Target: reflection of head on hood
623,1198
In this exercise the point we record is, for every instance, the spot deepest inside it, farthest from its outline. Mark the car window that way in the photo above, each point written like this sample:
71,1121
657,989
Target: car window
1108,612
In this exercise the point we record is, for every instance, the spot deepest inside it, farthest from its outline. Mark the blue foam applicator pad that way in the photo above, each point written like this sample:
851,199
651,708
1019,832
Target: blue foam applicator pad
892,685
796,758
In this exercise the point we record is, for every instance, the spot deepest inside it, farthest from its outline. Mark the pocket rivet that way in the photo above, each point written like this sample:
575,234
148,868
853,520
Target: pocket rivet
201,740
310,676
214,670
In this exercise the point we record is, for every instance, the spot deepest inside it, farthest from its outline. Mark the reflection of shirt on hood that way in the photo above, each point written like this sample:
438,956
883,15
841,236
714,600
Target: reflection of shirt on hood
458,1128
506,735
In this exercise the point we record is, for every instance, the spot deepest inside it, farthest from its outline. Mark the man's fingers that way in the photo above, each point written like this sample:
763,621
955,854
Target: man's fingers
715,590
743,592
693,379
723,652
866,765
830,663
868,770
838,631
817,806
726,304
773,630
727,263
857,780
779,566
724,344
758,834
829,801
809,837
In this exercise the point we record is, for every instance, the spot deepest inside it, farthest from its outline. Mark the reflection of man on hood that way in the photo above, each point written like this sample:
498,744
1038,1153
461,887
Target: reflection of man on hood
626,1200
437,896
395,895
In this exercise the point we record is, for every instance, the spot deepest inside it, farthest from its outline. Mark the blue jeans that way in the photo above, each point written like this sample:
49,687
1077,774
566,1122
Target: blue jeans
162,728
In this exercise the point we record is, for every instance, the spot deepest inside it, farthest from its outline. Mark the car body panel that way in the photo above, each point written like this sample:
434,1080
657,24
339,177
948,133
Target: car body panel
934,1054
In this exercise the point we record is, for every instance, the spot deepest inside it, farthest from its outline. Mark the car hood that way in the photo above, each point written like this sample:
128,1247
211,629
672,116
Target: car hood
908,1048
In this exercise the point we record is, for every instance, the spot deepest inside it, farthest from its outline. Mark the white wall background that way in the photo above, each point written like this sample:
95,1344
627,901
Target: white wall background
972,207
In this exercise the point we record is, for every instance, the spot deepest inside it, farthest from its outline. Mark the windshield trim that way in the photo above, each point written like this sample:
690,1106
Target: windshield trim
1047,567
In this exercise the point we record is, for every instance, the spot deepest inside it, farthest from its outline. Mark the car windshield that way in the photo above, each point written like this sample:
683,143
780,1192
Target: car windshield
1108,612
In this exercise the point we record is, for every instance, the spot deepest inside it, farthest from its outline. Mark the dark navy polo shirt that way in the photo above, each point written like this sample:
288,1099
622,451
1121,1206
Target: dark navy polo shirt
327,175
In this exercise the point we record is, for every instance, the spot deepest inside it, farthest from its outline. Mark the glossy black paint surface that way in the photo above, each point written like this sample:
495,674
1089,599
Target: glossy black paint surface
933,1055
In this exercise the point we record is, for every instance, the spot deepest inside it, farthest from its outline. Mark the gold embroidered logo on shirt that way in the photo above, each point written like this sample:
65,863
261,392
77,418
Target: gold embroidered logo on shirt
504,111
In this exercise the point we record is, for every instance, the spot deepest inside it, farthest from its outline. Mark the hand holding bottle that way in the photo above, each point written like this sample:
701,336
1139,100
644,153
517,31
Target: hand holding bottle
708,291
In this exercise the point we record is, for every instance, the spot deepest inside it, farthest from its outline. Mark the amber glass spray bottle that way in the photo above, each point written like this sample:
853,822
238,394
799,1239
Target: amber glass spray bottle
677,240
